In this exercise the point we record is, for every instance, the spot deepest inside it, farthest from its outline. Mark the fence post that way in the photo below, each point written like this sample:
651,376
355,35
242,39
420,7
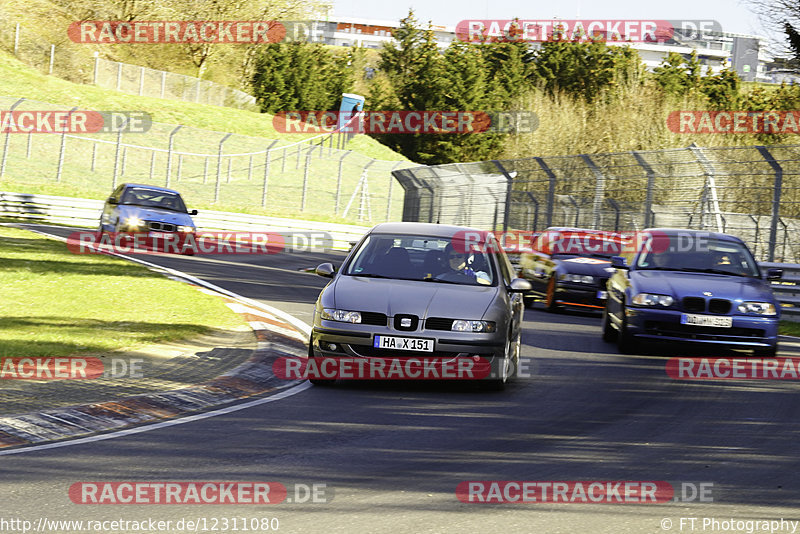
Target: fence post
94,155
124,161
119,75
266,175
599,190
5,141
305,178
711,185
152,164
339,180
283,161
228,175
250,168
205,169
96,68
28,146
169,153
389,196
551,191
16,40
648,200
776,201
219,166
509,188
180,167
297,163
141,81
52,58
62,148
116,153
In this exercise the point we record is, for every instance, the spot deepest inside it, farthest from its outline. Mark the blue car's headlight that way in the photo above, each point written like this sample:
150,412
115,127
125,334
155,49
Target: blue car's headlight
760,308
579,278
133,223
460,325
186,229
650,299
343,316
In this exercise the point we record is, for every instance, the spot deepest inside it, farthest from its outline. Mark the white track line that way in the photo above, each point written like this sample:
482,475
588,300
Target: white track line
155,426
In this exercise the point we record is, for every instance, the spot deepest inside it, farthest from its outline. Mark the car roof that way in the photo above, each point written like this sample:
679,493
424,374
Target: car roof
153,187
686,232
422,229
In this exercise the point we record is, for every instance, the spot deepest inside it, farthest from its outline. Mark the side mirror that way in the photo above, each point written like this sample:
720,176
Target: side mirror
520,285
774,274
111,200
193,212
619,262
325,269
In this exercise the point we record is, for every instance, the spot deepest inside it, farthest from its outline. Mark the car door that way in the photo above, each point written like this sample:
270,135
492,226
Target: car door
110,213
515,301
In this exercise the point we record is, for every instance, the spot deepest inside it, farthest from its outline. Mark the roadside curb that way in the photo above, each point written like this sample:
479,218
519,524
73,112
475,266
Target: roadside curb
278,335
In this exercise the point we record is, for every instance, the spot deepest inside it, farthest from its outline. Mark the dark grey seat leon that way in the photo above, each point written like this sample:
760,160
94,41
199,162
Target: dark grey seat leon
419,301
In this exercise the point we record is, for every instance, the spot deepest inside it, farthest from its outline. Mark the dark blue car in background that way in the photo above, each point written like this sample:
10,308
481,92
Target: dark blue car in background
696,286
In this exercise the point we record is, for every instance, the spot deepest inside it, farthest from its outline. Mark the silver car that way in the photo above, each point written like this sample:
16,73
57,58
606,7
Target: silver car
419,296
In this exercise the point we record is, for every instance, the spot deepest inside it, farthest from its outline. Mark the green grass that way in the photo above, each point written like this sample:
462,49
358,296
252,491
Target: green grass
789,328
60,304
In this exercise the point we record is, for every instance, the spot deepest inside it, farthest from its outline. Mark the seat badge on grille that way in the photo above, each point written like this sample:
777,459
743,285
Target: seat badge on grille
405,322
708,293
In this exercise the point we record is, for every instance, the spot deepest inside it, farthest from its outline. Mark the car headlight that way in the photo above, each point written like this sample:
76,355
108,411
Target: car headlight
343,316
579,278
760,308
133,223
186,229
460,325
650,299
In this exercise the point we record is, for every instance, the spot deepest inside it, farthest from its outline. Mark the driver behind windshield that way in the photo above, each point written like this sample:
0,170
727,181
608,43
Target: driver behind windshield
462,263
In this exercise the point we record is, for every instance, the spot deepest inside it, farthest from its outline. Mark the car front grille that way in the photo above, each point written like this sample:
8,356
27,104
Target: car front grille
373,318
719,306
161,226
438,323
710,333
369,351
694,304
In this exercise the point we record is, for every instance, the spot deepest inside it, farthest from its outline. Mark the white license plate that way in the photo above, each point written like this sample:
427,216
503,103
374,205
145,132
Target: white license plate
707,320
403,343
158,235
602,294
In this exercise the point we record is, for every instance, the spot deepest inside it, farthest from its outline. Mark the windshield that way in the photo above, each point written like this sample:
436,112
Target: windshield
706,256
153,198
582,243
422,258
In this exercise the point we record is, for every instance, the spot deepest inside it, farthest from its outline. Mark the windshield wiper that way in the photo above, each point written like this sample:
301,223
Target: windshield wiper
711,270
369,275
440,281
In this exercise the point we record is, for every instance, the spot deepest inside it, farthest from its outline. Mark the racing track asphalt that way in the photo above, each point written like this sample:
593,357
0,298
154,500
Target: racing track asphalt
394,453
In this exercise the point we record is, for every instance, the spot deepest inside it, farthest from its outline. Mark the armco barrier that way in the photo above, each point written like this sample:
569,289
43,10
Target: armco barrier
86,213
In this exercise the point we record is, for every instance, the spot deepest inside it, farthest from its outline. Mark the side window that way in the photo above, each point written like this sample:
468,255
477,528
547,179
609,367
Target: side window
117,192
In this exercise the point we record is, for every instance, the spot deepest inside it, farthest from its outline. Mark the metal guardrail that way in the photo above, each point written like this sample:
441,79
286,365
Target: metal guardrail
83,212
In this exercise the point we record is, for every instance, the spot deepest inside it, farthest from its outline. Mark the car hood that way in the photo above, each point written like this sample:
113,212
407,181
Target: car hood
155,214
424,299
680,284
587,265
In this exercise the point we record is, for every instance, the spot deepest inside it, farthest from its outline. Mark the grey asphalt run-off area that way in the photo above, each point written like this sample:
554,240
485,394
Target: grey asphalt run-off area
393,454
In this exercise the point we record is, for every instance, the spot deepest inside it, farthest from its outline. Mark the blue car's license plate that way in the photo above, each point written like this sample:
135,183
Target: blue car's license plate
707,320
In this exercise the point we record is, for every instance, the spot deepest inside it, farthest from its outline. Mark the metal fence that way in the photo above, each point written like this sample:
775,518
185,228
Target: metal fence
144,81
313,178
752,192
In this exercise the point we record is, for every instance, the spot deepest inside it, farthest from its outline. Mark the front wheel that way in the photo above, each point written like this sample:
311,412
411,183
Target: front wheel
626,343
609,332
550,296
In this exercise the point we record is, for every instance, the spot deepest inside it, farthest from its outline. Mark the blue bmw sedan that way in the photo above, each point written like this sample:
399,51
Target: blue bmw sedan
695,286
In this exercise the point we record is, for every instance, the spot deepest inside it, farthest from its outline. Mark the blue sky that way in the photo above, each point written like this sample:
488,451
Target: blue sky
734,15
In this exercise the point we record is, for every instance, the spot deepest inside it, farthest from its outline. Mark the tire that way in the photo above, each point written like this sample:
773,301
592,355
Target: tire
316,381
610,333
626,343
766,353
550,296
499,383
